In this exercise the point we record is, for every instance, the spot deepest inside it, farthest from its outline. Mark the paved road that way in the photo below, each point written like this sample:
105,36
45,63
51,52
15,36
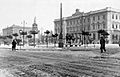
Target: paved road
57,64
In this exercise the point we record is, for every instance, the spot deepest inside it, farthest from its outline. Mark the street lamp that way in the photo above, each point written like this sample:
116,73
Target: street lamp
60,44
23,32
47,32
55,38
20,31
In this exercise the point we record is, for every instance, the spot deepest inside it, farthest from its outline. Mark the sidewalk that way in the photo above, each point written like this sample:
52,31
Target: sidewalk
90,51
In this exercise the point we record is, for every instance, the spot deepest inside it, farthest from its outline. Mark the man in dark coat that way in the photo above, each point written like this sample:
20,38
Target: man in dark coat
102,44
14,44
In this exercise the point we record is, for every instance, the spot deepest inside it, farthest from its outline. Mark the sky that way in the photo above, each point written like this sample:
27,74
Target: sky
45,11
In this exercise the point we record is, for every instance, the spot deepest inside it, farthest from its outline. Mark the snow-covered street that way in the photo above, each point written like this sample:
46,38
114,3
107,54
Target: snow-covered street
55,62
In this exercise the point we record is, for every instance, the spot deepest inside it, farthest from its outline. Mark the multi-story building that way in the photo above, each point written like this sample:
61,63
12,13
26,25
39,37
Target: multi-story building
15,29
107,19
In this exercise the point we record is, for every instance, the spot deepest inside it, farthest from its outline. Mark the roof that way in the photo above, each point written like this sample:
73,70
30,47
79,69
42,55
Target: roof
79,14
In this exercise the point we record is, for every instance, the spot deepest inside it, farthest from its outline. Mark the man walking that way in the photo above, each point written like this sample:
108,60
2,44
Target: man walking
14,45
102,44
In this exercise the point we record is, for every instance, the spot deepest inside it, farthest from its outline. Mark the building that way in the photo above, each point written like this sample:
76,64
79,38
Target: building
107,19
15,29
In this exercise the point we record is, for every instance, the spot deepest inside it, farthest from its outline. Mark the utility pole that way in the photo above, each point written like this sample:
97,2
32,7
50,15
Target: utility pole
60,44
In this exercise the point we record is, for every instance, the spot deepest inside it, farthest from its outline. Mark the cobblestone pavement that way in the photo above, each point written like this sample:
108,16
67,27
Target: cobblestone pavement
59,63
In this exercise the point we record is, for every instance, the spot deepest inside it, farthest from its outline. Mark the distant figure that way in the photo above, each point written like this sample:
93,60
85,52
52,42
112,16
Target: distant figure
14,42
102,44
119,43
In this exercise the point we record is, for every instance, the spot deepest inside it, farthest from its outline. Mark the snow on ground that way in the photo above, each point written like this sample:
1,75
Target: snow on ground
5,73
52,45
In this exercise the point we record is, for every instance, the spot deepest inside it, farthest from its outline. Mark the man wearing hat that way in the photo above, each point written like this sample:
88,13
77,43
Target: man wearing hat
102,44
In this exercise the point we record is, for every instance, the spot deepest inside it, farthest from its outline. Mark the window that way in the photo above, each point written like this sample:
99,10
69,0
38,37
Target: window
84,20
98,36
116,37
103,25
70,22
112,25
67,23
103,16
93,26
88,19
113,16
98,25
94,18
113,37
116,26
98,17
77,21
119,37
94,36
116,17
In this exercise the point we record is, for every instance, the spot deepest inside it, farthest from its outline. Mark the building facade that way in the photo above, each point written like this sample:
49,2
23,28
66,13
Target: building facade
15,29
107,19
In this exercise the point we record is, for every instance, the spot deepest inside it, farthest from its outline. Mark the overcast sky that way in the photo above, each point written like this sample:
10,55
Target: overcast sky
15,11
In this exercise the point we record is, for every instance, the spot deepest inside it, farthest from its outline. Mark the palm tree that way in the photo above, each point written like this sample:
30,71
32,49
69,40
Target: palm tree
47,32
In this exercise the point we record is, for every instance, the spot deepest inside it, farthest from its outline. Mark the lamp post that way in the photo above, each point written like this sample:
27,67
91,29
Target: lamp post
60,44
55,38
34,30
47,32
20,31
24,33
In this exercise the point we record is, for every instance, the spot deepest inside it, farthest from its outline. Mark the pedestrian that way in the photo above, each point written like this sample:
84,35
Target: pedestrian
102,44
119,43
14,42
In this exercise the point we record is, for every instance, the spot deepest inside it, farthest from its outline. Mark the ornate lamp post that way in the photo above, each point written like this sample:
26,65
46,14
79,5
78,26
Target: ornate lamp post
34,29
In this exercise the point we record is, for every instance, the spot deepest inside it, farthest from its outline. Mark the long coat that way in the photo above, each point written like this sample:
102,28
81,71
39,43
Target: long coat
102,42
14,44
